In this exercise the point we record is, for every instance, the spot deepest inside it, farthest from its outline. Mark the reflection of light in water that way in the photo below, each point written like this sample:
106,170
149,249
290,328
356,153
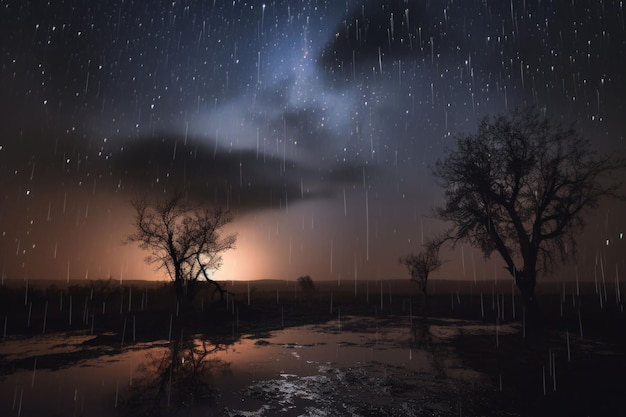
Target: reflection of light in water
95,373
86,386
303,350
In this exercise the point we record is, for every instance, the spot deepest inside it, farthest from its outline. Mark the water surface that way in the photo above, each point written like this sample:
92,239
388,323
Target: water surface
352,366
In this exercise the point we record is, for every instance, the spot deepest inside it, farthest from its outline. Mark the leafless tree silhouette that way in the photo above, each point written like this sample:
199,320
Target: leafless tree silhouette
520,187
184,240
421,265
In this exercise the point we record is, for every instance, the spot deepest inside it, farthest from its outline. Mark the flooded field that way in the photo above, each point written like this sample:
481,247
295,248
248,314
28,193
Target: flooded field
126,351
350,366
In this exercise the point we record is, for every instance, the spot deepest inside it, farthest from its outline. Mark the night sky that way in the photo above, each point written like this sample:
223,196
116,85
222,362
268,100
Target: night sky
315,122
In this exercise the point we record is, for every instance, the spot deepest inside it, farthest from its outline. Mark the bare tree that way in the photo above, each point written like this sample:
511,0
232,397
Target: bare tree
520,187
421,265
184,240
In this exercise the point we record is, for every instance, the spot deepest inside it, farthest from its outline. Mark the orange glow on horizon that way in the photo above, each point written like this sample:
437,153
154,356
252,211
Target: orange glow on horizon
249,259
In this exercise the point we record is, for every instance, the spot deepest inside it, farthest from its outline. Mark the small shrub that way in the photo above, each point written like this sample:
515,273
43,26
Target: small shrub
306,283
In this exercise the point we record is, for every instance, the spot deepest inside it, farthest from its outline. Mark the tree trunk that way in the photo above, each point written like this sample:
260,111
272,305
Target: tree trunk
180,290
190,290
526,281
217,288
179,285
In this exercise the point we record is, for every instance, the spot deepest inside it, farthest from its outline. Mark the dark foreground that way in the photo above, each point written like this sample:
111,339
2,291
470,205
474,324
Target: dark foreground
570,362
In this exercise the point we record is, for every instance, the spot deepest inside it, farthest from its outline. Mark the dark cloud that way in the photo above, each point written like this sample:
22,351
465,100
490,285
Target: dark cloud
390,29
242,179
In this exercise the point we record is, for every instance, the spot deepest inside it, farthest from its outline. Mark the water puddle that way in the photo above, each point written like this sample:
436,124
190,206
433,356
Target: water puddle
356,366
447,329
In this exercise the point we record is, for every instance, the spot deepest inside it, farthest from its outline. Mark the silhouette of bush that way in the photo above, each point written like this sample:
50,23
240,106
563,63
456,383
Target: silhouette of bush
306,283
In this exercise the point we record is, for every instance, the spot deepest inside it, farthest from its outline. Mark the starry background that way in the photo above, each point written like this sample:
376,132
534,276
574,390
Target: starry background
315,122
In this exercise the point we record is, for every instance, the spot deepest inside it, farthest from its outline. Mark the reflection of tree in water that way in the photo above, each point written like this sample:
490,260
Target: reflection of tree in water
175,381
420,333
422,339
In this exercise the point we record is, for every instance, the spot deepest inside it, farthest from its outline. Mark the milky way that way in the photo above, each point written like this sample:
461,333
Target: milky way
315,122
